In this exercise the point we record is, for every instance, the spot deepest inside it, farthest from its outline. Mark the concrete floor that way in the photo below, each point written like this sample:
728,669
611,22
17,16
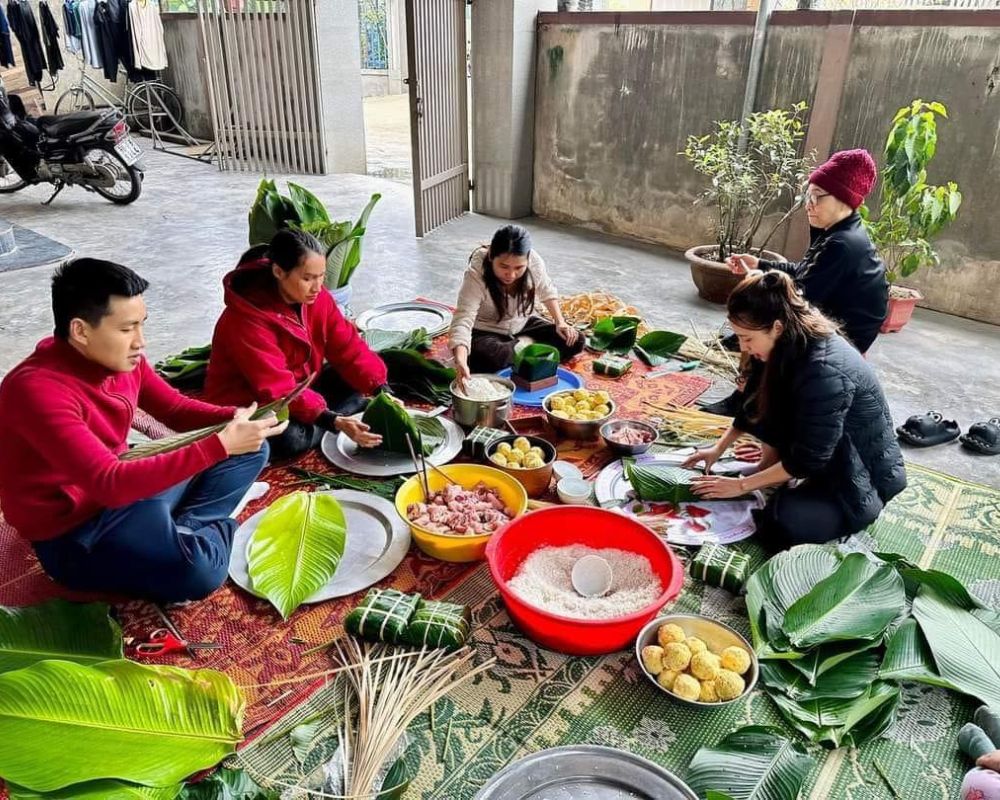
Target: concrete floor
189,228
387,137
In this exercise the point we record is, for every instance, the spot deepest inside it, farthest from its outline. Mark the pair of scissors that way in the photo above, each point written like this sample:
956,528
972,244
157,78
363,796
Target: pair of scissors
161,642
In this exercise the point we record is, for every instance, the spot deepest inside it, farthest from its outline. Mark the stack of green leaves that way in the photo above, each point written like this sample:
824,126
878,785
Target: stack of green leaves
187,369
383,615
398,428
414,376
379,340
660,483
656,347
296,548
614,335
836,637
536,362
78,721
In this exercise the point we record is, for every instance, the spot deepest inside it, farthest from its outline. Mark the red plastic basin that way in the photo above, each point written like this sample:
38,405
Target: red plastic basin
591,527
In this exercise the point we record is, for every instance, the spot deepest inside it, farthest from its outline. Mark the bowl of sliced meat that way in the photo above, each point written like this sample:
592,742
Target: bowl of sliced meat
466,505
628,437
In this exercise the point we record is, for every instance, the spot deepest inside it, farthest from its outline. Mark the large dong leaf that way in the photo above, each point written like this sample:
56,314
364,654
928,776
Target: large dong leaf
83,633
379,340
296,548
98,790
63,723
849,680
837,721
820,660
752,763
947,587
398,429
966,648
228,784
656,346
614,334
308,207
660,483
908,658
413,375
858,601
263,222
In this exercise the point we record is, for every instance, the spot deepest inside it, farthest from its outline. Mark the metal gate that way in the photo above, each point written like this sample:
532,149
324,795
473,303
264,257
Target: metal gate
264,84
439,126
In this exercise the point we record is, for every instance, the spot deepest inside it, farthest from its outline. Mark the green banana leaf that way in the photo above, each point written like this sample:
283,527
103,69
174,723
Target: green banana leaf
858,601
660,483
835,722
379,340
58,629
752,763
909,658
308,207
536,362
414,376
614,335
344,257
98,790
966,649
851,679
269,213
63,723
397,427
820,660
655,347
296,548
228,784
946,586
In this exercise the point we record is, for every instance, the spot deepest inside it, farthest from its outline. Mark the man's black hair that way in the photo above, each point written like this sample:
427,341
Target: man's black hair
83,288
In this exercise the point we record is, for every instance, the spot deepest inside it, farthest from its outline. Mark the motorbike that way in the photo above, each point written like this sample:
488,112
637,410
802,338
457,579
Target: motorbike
92,149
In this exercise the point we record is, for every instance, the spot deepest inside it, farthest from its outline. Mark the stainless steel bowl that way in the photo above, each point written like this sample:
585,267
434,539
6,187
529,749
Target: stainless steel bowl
576,429
716,635
608,429
483,413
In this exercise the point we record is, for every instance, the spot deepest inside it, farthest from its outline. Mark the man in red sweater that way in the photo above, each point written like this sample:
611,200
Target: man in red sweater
155,528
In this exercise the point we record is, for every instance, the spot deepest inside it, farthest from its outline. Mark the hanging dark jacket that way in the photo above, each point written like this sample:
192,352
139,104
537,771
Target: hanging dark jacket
829,421
6,50
843,276
106,25
22,22
50,35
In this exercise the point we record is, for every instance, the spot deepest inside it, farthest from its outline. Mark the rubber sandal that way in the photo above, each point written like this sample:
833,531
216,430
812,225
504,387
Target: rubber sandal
928,430
983,437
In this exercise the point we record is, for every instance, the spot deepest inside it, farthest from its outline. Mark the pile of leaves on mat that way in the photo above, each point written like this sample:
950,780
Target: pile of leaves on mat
187,369
412,374
836,633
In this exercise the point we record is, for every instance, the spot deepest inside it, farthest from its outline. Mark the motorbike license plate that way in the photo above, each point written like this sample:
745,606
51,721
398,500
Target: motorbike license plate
129,151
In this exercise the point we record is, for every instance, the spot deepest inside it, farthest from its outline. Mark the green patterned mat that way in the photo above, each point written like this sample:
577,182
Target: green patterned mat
536,699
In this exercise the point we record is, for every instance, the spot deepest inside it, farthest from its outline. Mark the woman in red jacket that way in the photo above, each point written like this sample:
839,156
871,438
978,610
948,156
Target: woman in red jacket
281,325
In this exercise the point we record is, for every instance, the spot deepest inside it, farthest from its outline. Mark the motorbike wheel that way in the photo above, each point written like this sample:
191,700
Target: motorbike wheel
10,181
75,99
128,180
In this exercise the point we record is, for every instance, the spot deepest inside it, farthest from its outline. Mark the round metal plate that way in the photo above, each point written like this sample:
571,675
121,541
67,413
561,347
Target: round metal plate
584,772
374,463
406,317
377,541
568,380
717,522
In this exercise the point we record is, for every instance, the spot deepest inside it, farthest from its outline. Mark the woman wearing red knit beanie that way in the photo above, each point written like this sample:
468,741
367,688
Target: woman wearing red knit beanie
841,274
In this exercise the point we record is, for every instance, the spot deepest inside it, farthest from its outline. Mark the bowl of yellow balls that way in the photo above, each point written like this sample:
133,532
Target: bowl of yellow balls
697,660
578,414
527,459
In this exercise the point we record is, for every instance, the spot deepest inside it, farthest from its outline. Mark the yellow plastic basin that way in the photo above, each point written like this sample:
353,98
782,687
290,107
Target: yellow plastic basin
452,547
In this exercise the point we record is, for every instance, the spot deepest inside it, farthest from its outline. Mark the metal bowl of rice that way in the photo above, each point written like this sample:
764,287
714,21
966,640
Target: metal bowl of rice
485,402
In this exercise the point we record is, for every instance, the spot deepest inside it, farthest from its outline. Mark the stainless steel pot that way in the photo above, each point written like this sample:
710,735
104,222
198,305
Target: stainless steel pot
482,413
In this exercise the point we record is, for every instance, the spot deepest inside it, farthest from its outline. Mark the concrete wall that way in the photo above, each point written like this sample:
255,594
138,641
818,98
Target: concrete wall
187,71
616,99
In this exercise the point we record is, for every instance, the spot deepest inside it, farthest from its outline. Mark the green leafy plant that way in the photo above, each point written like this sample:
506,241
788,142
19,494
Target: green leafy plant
57,629
302,210
296,548
911,211
536,362
656,347
614,334
395,425
150,725
751,763
745,184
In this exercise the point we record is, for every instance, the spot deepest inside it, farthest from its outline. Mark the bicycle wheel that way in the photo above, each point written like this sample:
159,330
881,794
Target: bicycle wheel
75,99
154,106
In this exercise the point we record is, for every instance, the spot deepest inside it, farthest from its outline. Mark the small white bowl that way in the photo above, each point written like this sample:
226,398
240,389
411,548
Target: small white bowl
574,491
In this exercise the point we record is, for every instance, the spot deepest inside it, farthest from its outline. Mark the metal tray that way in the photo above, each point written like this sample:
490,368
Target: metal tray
584,772
377,541
406,317
344,453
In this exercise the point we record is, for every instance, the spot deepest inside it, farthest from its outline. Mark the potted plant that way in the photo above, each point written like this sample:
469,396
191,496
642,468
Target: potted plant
911,211
746,182
302,210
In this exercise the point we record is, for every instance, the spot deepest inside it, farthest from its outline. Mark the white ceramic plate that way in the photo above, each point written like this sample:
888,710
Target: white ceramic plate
715,522
377,541
342,452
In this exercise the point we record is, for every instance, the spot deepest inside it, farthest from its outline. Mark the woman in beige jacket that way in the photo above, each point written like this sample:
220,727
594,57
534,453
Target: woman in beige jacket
496,304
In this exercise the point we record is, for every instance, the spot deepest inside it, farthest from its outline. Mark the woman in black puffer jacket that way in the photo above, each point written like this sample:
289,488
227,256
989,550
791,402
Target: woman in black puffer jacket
818,408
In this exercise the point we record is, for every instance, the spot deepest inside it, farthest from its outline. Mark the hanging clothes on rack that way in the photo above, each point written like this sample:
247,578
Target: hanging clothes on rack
107,37
147,34
22,21
91,49
71,23
6,50
50,36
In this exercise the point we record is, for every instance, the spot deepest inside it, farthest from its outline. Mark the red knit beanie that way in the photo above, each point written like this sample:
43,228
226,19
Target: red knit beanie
848,175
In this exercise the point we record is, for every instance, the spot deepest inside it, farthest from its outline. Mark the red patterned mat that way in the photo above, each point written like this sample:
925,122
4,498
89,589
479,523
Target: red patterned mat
262,653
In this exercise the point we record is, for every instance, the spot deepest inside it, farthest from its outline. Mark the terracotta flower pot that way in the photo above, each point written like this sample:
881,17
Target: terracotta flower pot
713,278
900,310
